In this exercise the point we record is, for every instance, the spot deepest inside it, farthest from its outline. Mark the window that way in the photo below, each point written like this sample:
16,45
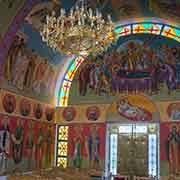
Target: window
62,146
113,153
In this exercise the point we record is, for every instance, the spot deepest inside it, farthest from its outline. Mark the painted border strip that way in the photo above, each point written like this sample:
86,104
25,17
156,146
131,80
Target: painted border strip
149,28
171,32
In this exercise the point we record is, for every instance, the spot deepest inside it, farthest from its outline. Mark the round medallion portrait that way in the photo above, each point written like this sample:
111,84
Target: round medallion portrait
38,111
69,113
173,111
25,107
93,113
49,114
9,103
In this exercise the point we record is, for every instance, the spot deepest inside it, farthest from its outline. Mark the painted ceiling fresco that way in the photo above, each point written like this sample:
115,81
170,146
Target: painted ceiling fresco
32,68
12,8
120,10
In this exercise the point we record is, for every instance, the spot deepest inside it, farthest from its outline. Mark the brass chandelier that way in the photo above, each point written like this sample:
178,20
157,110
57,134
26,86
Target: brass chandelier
81,31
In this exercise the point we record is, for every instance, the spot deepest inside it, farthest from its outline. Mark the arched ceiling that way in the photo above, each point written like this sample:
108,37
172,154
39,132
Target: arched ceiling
33,12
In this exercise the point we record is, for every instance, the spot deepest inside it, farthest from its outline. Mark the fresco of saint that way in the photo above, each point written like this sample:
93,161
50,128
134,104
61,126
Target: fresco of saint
77,153
4,144
94,147
40,148
172,150
30,146
16,48
49,141
17,139
39,74
25,71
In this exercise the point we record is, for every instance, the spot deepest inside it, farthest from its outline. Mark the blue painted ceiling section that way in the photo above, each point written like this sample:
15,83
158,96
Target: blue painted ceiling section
35,43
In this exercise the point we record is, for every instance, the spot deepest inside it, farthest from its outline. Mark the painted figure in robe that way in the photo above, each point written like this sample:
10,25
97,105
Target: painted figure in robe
48,147
30,145
77,153
17,139
39,148
172,150
94,147
4,144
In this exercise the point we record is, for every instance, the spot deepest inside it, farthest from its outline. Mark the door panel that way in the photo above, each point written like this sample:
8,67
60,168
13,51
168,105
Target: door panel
124,152
141,154
133,150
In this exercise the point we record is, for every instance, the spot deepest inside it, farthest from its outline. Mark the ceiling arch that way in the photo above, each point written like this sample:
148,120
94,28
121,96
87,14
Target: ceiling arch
154,26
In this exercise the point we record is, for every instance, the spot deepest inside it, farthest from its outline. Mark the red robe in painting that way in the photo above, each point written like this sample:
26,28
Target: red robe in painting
172,150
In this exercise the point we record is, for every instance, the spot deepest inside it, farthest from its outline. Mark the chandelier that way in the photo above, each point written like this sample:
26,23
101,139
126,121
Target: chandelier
81,31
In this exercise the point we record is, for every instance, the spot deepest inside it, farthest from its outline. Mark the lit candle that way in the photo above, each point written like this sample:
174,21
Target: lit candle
62,12
97,13
90,12
83,21
47,19
109,18
79,21
71,13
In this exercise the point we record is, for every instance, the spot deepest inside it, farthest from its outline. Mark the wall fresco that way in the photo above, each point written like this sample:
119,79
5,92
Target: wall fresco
173,111
120,31
87,113
37,15
12,7
131,111
169,150
132,108
168,110
27,108
25,72
86,147
31,124
139,64
26,144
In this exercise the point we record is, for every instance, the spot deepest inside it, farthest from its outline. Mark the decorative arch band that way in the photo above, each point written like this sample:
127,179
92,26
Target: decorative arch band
156,28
